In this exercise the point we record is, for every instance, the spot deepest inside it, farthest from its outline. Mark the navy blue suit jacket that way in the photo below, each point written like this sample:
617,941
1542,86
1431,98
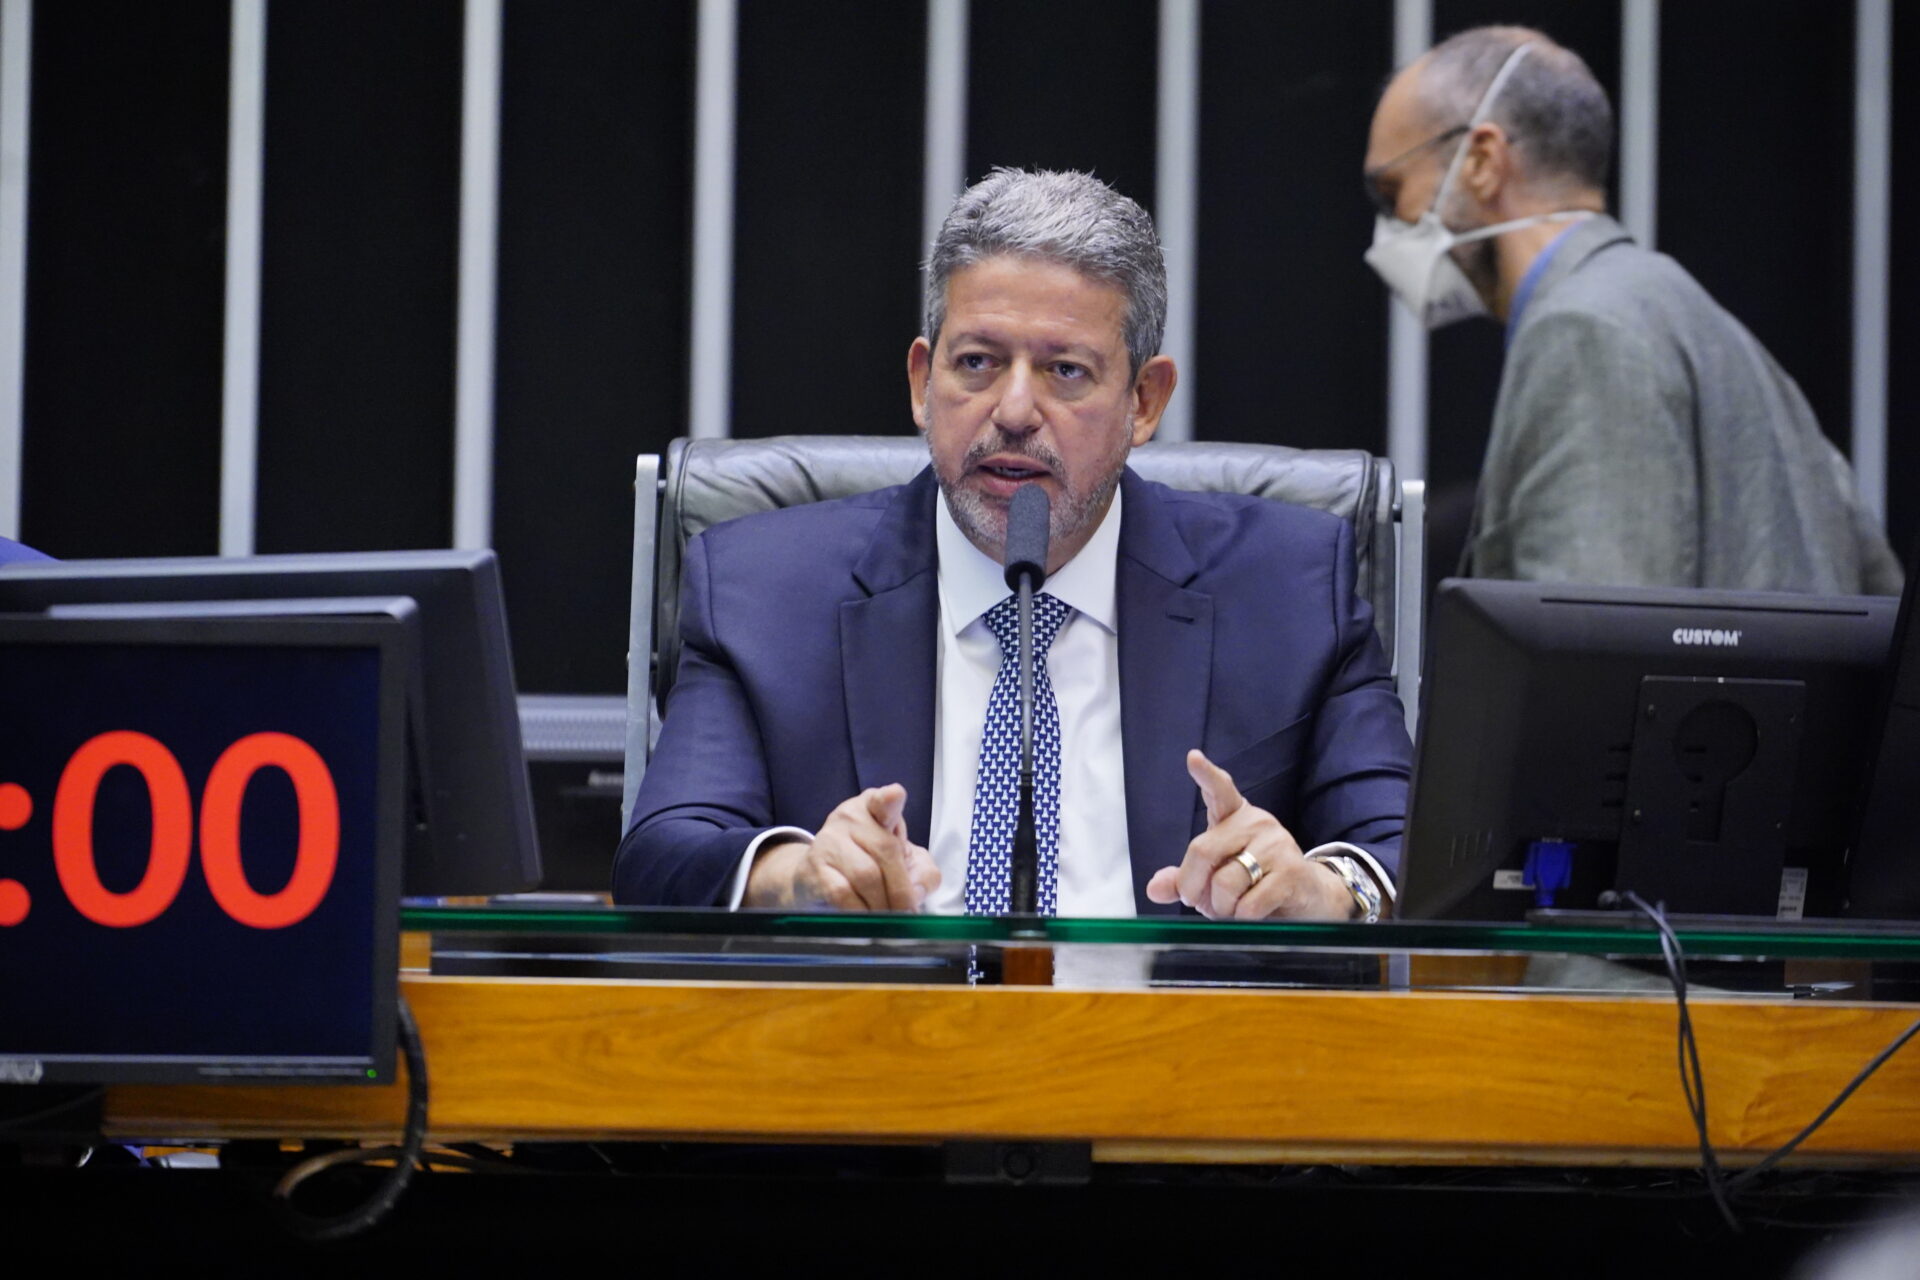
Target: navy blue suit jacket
12,552
808,675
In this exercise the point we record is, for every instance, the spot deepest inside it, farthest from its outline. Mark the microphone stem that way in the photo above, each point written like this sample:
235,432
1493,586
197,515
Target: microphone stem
1024,874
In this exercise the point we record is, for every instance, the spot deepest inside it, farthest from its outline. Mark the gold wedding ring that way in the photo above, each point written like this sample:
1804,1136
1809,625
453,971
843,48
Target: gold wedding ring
1254,870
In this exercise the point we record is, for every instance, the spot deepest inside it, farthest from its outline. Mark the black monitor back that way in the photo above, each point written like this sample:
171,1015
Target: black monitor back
1702,748
475,833
1883,871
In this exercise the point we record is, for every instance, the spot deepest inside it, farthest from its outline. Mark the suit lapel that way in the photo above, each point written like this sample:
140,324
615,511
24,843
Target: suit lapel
1166,664
889,653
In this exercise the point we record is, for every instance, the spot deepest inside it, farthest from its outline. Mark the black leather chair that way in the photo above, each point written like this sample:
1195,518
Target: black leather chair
703,482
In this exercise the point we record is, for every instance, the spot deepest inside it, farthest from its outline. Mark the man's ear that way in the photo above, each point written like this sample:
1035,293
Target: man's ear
1487,169
1152,388
919,372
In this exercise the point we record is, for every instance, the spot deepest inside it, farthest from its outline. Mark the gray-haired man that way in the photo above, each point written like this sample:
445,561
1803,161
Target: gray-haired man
1215,724
1642,436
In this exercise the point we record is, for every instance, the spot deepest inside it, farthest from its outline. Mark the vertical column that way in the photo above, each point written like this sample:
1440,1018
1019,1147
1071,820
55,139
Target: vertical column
710,378
1406,340
16,69
479,241
1640,118
1872,211
1176,196
240,357
945,170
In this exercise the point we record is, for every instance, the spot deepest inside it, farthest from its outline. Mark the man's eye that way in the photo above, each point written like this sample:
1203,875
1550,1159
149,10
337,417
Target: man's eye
1386,200
973,361
1067,369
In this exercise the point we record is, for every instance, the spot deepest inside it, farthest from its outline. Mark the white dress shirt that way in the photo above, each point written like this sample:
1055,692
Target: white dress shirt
1096,873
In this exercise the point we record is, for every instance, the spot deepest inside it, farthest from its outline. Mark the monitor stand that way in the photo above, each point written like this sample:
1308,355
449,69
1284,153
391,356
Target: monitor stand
1709,791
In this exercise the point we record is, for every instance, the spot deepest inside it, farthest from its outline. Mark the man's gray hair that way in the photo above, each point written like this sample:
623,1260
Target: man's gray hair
1555,113
1073,219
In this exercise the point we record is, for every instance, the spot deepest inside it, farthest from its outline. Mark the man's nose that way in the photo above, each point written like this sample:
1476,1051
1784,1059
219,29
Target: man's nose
1018,410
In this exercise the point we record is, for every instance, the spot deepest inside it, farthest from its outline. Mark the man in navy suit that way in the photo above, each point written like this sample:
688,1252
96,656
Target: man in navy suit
1229,737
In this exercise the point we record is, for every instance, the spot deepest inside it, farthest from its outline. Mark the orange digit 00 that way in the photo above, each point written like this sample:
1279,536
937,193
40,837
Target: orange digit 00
169,852
319,848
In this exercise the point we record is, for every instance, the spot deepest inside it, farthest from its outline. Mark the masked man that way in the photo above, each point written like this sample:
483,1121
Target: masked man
1642,435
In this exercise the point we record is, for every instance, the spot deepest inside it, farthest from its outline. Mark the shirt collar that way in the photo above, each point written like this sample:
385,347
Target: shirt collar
971,582
1531,281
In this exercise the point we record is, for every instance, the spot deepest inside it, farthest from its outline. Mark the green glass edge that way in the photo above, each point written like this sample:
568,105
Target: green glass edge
1831,943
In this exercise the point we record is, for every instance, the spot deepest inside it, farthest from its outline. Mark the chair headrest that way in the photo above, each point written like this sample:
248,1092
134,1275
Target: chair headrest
714,480
709,481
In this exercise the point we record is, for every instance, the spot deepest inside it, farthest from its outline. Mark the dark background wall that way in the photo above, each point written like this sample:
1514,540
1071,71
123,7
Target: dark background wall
126,207
126,242
1290,338
1903,287
357,275
595,149
827,220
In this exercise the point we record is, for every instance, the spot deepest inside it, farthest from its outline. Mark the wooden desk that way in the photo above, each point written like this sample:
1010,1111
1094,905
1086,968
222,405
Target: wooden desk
1160,1075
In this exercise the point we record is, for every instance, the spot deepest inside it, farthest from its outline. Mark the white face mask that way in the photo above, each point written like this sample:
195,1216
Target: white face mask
1415,258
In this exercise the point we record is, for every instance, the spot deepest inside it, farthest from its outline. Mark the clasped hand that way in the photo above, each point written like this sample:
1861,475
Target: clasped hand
862,860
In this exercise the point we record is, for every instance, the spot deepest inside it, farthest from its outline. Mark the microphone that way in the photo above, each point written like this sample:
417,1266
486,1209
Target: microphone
1028,519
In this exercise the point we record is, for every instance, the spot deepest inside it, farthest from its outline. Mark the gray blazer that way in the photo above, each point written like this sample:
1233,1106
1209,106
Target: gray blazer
1644,437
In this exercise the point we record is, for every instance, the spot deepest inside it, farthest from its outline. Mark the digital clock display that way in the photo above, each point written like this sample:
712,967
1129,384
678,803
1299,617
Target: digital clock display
198,831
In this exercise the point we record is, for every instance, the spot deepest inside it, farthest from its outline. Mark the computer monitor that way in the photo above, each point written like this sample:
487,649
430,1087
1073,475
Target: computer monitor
471,820
1704,749
201,833
1883,868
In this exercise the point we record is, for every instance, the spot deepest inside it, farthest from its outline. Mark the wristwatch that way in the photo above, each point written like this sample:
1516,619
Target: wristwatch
1366,894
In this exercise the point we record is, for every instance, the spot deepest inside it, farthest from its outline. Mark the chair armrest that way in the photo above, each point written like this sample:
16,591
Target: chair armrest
1410,597
640,639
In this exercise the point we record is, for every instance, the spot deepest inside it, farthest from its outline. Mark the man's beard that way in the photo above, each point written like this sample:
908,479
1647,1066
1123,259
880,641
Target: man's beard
1078,507
1477,259
1481,265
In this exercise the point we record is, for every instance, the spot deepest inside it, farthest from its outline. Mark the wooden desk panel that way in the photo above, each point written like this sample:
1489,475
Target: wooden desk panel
1379,1076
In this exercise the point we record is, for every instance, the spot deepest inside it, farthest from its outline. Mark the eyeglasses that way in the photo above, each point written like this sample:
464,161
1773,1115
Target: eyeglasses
1384,203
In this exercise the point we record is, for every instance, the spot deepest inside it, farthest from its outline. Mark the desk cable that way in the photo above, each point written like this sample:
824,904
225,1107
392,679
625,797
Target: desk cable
404,1157
1720,1185
26,1120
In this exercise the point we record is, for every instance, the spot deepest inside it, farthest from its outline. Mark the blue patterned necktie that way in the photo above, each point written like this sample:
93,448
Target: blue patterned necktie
996,795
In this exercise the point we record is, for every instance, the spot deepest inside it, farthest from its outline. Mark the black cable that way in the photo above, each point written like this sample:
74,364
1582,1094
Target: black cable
1748,1175
80,1099
1693,1083
480,1153
384,1197
433,1160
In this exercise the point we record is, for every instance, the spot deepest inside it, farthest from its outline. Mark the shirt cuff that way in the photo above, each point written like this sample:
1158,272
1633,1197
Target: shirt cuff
1365,859
739,891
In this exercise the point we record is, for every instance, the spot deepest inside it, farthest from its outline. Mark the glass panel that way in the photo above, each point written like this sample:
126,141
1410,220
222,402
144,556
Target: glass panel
1757,939
1758,959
